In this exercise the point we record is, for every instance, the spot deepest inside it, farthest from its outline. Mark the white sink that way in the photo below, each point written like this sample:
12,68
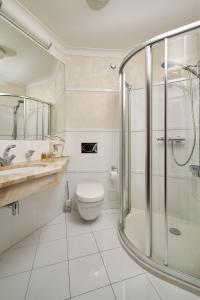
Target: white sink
21,170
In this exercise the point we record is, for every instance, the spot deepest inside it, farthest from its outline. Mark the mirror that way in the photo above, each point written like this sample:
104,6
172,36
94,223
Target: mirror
31,88
24,118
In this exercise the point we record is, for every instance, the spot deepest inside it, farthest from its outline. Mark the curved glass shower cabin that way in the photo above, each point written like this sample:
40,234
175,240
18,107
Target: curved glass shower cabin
160,155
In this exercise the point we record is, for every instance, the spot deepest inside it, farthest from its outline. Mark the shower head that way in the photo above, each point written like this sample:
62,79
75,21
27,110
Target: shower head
171,64
194,69
16,107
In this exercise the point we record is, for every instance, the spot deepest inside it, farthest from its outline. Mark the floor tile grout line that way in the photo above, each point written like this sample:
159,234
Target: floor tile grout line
105,267
38,229
89,232
92,231
15,274
47,225
98,251
51,241
106,229
153,286
102,229
40,243
107,285
76,235
62,261
82,256
37,245
68,267
14,246
53,264
70,259
128,278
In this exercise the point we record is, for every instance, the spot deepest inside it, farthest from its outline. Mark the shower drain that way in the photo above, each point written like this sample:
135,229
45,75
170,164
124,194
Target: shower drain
175,231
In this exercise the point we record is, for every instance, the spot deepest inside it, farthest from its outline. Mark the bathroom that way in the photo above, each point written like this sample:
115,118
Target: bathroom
99,150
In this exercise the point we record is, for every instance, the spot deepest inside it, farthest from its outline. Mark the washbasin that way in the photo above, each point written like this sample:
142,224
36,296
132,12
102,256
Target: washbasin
21,170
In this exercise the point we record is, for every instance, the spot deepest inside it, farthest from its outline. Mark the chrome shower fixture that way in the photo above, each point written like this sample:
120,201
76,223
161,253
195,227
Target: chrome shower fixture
194,69
16,107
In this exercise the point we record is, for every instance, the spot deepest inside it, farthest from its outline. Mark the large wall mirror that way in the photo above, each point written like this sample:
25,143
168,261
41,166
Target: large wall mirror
31,88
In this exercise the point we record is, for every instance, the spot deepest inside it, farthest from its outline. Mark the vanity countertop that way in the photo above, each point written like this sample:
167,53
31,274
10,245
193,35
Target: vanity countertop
36,169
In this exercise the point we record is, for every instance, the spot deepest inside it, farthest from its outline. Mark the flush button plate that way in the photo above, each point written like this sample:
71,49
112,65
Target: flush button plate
89,148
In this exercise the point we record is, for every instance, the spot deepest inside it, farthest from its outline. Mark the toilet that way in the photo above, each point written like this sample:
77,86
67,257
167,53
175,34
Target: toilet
89,199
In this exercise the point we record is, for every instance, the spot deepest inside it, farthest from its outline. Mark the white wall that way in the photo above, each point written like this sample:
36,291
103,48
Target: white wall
91,115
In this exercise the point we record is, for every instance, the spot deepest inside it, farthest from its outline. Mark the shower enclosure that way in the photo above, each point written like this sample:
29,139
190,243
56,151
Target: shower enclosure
160,155
24,117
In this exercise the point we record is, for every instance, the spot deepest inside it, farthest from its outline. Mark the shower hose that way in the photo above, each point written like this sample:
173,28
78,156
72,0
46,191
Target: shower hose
193,125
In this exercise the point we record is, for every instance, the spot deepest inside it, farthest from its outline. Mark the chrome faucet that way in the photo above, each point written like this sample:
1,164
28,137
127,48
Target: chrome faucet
6,159
29,154
57,141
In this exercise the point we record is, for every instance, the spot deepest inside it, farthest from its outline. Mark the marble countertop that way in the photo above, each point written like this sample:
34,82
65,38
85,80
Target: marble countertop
43,168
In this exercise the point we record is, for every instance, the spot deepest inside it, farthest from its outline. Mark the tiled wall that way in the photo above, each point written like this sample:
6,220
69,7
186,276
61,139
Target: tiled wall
91,115
93,167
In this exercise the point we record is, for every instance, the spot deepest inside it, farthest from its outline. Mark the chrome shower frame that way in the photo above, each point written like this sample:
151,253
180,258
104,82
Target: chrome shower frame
25,99
145,259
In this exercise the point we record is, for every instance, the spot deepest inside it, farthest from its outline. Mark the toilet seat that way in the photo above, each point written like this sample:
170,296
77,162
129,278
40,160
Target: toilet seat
90,192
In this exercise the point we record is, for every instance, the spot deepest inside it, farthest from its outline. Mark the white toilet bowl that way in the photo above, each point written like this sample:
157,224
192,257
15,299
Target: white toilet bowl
89,199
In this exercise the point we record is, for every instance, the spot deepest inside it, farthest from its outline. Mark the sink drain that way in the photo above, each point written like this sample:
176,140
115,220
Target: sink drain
175,231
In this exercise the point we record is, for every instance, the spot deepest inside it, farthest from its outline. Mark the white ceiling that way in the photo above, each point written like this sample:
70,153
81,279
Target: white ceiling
120,24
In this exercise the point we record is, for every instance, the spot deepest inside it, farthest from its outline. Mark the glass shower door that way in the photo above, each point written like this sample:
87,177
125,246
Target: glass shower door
134,206
183,192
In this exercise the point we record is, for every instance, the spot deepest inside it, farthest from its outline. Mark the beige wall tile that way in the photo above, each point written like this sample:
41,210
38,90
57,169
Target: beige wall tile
91,72
12,88
91,110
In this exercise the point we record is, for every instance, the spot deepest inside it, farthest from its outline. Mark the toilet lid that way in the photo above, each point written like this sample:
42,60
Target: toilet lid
90,192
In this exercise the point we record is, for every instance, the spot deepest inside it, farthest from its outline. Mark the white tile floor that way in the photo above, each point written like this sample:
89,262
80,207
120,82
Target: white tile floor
71,259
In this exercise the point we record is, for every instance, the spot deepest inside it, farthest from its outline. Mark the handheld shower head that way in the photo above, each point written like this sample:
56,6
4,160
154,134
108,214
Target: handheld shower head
16,107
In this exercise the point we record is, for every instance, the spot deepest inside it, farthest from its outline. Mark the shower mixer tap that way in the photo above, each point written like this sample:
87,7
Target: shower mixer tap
171,139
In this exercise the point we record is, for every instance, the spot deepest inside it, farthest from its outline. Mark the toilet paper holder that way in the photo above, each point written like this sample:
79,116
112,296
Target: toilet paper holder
113,173
113,168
